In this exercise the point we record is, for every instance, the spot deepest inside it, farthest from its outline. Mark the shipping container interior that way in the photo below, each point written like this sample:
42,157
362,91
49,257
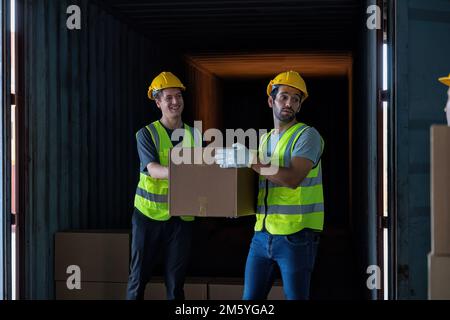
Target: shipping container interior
79,155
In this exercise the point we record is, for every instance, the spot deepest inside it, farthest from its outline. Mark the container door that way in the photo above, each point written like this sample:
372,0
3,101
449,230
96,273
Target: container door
5,170
421,56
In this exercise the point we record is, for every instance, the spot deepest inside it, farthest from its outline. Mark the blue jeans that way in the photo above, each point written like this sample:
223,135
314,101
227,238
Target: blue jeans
294,254
149,237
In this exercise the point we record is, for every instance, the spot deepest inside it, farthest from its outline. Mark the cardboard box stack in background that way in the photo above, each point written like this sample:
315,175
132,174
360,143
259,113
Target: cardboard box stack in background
102,258
193,290
228,289
207,190
439,257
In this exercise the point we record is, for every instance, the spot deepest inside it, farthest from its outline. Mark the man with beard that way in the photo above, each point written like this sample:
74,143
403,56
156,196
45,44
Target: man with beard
290,210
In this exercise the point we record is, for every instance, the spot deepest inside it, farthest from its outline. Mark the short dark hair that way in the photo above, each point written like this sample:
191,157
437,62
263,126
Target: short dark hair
274,91
276,88
156,94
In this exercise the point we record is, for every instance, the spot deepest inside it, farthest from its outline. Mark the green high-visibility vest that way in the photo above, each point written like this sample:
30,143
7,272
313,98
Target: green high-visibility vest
151,194
283,210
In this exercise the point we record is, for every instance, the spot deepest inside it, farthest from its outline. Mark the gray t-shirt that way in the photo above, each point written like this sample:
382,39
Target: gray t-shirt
308,145
147,149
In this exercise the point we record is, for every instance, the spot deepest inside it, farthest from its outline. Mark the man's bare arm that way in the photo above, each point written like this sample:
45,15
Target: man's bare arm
290,177
157,171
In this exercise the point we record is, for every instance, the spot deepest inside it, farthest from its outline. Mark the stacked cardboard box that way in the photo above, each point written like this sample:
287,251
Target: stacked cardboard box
102,259
228,291
439,258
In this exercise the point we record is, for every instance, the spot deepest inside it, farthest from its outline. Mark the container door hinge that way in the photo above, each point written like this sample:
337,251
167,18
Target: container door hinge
384,95
384,222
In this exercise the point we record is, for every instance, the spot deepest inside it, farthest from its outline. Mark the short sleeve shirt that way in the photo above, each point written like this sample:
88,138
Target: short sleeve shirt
147,149
308,145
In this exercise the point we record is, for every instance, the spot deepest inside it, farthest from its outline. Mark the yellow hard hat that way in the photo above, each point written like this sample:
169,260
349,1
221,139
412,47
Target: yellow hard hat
445,80
163,81
289,78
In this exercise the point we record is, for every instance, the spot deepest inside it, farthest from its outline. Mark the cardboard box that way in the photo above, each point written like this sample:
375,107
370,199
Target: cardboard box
438,277
276,293
118,291
192,291
439,258
440,190
235,292
91,291
102,256
225,291
206,190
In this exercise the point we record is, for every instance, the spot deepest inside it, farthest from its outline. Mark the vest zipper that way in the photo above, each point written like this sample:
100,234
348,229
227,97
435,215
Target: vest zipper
265,205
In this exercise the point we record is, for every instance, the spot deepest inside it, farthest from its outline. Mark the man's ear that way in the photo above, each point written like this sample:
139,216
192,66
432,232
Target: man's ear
157,103
299,108
270,101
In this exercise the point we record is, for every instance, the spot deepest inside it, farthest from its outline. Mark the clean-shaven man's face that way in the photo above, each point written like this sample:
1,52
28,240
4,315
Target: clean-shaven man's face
171,102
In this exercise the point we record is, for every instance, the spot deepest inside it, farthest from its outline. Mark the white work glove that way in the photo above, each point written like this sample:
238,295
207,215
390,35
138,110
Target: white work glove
238,156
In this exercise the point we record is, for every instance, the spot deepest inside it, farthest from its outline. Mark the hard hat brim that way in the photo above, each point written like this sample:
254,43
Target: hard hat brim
150,92
291,79
164,80
269,90
445,80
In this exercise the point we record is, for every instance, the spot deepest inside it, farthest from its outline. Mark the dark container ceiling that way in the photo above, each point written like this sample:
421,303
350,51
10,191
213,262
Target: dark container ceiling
243,25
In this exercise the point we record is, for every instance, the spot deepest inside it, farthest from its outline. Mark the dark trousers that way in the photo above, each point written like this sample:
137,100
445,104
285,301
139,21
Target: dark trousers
149,236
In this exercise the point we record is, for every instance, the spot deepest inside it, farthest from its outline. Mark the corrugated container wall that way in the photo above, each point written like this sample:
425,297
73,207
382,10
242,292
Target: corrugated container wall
83,99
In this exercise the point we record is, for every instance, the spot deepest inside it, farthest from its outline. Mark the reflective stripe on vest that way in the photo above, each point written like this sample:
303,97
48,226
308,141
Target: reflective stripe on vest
152,194
289,210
